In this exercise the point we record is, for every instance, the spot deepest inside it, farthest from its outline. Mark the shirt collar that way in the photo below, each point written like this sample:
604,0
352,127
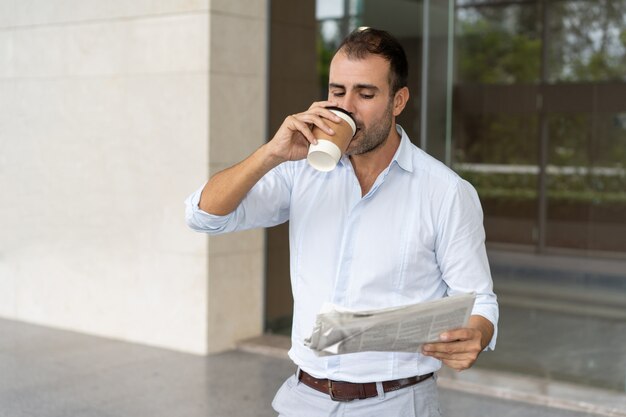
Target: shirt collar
403,155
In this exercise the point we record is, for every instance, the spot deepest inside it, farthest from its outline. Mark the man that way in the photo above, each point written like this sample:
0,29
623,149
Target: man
389,226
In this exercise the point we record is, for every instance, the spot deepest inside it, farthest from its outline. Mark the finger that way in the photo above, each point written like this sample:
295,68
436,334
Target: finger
450,347
298,123
457,334
317,120
452,355
458,365
320,108
456,360
319,113
324,104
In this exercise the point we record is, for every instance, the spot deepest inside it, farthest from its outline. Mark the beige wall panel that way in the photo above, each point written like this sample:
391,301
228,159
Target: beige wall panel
240,242
40,52
235,297
237,48
151,45
176,43
249,8
107,117
237,127
103,133
237,116
7,13
45,12
95,239
7,53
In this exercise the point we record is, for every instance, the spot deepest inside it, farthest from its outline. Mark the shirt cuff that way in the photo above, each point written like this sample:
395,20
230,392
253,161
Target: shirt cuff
494,321
198,219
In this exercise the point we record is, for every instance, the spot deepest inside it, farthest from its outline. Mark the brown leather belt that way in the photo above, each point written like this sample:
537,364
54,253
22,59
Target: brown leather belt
348,391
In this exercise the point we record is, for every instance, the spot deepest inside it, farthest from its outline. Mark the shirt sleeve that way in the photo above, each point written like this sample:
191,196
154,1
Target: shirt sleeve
265,205
461,253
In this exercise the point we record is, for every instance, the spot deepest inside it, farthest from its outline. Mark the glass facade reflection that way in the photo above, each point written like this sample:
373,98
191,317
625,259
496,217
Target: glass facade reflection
539,98
526,99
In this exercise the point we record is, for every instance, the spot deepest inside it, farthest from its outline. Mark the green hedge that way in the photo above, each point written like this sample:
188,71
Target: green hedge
589,189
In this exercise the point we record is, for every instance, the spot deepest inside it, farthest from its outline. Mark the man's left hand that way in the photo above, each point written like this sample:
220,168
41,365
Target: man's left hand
460,348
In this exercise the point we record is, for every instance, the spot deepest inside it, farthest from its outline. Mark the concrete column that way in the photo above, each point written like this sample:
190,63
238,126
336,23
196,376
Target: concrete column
237,126
111,113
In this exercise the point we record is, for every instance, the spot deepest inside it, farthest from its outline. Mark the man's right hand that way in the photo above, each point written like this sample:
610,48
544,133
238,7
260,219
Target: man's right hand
292,139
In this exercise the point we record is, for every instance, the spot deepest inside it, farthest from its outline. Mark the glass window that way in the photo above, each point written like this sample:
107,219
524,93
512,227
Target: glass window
586,183
526,99
537,120
539,104
498,61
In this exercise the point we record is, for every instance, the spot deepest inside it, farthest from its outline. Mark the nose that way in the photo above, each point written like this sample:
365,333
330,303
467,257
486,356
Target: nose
348,103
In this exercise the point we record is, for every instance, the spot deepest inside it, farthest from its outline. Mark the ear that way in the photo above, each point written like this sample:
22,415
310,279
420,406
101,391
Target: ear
400,100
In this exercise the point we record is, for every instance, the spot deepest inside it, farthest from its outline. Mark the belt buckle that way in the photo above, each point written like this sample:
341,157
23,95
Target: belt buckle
331,392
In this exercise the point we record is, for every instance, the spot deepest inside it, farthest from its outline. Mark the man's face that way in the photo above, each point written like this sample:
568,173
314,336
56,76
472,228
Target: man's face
361,86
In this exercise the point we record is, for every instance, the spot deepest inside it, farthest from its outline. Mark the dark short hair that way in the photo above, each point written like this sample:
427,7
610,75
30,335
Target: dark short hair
365,41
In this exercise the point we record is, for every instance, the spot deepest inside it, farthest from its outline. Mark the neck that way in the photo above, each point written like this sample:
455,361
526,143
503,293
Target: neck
369,165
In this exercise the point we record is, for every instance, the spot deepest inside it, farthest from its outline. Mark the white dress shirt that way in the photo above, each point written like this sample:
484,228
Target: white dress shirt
417,235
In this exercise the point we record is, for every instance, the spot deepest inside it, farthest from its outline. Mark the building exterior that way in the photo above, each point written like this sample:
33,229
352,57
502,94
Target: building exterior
112,112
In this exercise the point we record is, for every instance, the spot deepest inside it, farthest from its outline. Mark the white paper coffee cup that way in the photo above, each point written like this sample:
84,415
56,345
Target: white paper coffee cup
326,154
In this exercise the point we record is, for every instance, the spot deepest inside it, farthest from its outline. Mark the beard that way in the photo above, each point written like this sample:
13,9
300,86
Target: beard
370,138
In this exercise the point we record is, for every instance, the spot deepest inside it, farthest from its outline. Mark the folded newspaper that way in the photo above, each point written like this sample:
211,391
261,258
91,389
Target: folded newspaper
397,329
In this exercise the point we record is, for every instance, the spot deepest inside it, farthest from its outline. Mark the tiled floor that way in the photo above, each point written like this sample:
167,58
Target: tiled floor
562,343
53,373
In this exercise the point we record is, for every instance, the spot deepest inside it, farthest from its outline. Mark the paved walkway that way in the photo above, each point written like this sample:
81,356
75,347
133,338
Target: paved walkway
53,373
